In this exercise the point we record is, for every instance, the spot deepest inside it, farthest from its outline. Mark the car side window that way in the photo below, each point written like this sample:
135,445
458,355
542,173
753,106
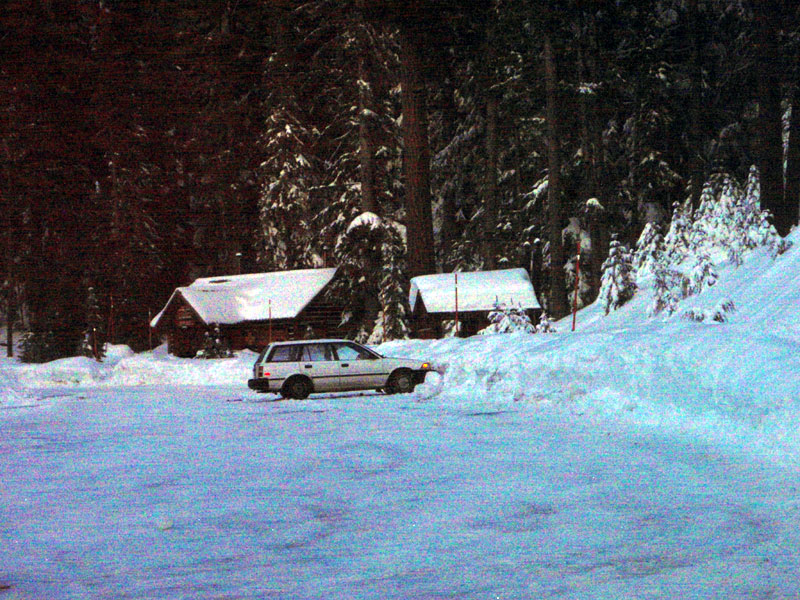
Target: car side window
284,354
316,352
348,352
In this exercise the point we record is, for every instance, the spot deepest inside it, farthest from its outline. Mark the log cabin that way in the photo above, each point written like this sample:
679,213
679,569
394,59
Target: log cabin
251,310
435,300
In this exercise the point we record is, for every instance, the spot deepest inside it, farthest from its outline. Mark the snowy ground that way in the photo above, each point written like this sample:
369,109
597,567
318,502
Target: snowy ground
635,458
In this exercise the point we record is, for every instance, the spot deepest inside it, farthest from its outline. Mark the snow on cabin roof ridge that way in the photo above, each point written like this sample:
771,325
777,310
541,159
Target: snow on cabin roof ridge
230,299
477,290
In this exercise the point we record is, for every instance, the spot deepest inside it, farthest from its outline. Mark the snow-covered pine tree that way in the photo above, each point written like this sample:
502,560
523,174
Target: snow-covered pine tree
649,249
508,318
677,240
617,284
285,204
94,336
392,322
371,257
702,273
215,345
545,324
668,285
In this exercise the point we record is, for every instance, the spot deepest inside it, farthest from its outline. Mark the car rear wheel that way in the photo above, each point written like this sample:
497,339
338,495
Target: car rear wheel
296,387
401,382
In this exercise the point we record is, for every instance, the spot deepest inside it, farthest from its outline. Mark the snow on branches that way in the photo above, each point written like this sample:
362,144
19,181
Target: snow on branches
617,284
728,223
510,318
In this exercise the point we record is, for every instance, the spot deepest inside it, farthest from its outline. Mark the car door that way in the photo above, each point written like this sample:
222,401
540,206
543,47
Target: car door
359,369
318,362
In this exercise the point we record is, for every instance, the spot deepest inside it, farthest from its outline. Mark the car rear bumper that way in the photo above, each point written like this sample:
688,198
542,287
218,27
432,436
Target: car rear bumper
259,385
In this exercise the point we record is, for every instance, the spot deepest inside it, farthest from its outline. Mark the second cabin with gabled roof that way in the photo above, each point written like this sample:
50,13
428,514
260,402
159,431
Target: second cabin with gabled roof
251,310
435,299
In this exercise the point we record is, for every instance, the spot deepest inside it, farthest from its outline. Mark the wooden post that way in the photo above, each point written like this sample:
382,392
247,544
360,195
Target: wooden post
9,330
577,284
456,328
110,335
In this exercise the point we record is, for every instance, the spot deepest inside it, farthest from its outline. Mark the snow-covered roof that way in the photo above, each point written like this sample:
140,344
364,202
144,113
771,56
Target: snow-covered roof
477,291
254,297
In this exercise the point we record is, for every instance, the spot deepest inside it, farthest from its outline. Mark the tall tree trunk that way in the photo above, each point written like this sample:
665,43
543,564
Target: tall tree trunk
416,157
490,200
558,291
791,190
695,102
366,142
770,117
447,233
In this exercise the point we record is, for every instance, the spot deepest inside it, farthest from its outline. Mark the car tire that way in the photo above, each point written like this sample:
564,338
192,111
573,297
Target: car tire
297,388
401,382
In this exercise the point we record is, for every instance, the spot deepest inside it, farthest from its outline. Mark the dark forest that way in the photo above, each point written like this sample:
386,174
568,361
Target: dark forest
146,143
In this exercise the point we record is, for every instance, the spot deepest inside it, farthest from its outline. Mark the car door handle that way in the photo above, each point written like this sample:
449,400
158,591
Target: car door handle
345,364
309,366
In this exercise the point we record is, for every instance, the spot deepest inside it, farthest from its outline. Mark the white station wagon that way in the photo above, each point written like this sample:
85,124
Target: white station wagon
297,369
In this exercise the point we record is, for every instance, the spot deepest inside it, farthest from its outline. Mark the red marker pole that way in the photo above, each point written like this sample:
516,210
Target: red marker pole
456,330
577,284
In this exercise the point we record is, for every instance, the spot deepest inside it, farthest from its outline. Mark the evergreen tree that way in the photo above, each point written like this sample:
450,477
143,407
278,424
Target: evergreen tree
649,250
94,336
392,323
215,345
618,284
507,318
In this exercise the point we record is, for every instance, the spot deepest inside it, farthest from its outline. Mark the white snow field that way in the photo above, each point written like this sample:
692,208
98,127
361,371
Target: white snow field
634,458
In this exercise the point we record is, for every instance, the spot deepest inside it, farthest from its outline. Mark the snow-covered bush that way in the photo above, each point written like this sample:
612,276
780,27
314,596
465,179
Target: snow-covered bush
38,346
545,324
505,318
617,284
214,345
718,314
449,328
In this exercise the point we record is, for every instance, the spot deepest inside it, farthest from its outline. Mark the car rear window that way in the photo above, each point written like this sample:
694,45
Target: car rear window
285,354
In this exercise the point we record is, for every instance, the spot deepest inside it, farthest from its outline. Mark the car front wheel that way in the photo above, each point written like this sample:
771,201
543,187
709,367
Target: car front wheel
401,382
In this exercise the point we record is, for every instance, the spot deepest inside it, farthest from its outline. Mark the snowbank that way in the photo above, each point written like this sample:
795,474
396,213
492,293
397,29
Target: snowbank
121,367
735,382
